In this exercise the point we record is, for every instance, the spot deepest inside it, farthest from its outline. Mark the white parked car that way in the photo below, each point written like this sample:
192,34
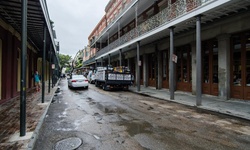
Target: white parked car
91,76
78,81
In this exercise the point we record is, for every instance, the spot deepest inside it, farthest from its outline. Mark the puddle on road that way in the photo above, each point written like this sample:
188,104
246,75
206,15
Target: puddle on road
110,108
90,101
136,127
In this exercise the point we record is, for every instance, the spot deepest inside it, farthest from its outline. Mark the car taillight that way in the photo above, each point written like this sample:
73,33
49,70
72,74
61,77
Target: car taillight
86,80
73,80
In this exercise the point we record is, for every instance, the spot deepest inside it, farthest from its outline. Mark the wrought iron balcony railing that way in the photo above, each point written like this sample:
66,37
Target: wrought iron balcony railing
173,11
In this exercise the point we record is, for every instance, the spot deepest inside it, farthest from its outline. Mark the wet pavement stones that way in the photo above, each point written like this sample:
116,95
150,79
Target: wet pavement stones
10,118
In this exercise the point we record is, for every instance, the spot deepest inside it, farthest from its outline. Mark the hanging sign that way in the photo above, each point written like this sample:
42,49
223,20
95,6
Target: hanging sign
139,63
174,58
53,66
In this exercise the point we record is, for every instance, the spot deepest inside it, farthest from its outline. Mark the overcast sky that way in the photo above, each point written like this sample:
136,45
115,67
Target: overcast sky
74,20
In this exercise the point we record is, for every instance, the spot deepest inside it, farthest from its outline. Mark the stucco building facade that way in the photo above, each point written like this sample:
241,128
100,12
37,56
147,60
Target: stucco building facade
210,40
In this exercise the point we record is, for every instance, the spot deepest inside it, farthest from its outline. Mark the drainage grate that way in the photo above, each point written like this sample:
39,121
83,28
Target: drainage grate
68,144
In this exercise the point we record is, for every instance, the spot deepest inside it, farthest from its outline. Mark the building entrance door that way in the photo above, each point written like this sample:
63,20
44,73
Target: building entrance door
240,68
210,67
183,69
151,69
165,70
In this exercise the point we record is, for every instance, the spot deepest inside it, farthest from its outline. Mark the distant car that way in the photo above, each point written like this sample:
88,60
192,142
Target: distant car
91,76
77,81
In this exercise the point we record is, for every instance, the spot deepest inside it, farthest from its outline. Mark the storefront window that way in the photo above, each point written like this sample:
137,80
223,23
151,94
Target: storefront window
183,64
184,59
179,66
189,63
236,60
206,62
247,59
215,62
151,61
164,69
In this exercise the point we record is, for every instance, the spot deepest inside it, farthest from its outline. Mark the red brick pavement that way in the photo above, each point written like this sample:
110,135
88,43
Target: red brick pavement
10,118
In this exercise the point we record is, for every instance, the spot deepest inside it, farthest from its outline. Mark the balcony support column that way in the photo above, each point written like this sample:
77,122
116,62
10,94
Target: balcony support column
128,63
109,59
138,64
119,33
145,70
171,64
120,56
198,61
43,62
100,43
108,42
23,70
50,53
102,61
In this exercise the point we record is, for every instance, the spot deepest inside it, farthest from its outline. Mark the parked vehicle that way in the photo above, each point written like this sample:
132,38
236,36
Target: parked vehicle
110,78
77,81
91,76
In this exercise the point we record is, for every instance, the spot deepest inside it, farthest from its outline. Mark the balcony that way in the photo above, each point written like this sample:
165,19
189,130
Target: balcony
166,15
180,14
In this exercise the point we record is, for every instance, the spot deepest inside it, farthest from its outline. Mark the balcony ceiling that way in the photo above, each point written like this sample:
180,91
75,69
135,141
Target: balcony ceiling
214,14
11,12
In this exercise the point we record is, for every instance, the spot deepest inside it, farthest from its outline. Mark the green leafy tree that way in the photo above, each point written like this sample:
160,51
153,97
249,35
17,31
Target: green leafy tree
65,61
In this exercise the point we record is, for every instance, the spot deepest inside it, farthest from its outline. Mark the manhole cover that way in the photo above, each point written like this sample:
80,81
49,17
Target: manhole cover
68,144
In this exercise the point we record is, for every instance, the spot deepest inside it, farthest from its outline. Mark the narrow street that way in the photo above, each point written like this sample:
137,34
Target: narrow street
122,120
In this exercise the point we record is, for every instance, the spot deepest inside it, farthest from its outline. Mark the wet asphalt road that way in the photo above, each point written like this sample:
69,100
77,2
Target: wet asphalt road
121,120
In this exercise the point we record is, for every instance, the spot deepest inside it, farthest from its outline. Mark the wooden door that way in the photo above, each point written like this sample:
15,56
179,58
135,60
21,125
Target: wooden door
240,68
183,68
165,70
210,67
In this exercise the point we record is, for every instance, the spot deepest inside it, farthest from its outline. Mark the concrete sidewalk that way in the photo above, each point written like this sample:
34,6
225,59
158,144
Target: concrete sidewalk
235,108
10,119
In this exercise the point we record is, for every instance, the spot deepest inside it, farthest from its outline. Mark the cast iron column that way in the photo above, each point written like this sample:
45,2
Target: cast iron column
23,70
171,64
138,66
198,61
119,33
109,59
43,67
50,66
120,56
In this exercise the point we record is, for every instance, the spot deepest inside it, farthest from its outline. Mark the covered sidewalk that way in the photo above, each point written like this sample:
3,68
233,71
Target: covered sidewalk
233,107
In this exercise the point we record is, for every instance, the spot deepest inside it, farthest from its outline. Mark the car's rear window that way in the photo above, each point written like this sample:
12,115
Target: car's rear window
78,77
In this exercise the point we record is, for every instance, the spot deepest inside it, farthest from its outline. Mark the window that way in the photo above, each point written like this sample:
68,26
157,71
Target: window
164,69
184,64
247,47
237,60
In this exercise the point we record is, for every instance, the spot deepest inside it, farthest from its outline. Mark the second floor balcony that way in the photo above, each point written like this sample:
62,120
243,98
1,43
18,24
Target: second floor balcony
180,14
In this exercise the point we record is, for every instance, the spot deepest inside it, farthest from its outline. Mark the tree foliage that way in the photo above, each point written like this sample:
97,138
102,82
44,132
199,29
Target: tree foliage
65,61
